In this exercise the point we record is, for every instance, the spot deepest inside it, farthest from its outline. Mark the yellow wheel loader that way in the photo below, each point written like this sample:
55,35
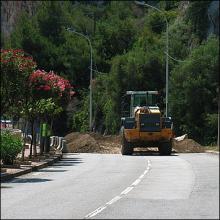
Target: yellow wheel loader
144,125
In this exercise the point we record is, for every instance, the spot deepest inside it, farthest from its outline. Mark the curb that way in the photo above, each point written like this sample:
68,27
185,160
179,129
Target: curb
6,177
29,168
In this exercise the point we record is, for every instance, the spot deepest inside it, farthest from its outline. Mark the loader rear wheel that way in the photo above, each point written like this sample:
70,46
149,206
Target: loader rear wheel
165,148
126,147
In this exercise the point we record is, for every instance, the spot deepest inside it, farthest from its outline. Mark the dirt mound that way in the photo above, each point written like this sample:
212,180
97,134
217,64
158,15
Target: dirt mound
96,143
83,143
92,143
187,146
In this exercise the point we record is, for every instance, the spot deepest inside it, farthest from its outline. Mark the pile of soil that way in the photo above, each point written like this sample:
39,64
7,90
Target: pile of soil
187,146
96,143
92,143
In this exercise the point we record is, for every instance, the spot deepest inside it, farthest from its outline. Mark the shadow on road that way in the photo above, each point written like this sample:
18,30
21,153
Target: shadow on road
29,180
71,154
68,162
152,153
51,171
6,187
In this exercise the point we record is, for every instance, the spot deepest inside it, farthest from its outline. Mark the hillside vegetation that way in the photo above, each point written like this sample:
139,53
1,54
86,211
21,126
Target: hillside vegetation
128,44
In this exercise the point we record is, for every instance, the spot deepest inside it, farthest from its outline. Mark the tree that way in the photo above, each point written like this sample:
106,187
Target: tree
194,93
197,14
50,94
128,47
15,70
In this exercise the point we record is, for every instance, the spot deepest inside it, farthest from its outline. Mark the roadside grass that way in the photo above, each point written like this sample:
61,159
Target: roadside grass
212,148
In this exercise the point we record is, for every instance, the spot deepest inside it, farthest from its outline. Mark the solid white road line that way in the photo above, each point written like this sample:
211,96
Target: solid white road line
123,193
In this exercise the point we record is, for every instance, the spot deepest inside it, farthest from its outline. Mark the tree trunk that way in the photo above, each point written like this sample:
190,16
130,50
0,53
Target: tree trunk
5,122
34,140
24,137
51,125
34,144
41,140
13,123
32,134
47,139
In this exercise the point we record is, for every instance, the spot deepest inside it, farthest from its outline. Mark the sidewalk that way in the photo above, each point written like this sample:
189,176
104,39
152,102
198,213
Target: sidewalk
29,165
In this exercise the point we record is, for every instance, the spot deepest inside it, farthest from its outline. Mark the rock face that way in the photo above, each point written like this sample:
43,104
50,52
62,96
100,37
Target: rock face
10,12
183,5
213,14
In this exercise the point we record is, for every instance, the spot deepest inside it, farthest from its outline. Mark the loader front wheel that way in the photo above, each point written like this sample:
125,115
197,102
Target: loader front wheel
165,148
126,147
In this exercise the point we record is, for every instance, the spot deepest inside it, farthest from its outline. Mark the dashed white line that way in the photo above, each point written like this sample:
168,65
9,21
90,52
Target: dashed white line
116,198
90,215
123,193
141,176
127,190
136,182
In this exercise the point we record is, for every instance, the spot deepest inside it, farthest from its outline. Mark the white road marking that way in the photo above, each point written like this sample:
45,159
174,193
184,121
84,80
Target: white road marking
127,190
35,174
123,193
90,215
141,176
116,198
146,171
136,182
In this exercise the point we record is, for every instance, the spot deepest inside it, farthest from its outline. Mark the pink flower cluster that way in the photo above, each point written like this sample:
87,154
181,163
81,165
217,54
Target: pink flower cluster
16,56
41,80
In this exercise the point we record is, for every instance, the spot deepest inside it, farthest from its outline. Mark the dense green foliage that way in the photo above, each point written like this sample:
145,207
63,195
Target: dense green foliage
15,70
128,54
11,146
197,14
194,102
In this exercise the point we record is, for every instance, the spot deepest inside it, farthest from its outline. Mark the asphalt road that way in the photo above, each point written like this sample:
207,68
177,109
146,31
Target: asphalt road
108,186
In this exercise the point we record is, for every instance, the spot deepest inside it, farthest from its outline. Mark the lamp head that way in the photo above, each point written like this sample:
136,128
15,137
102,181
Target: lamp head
70,29
139,3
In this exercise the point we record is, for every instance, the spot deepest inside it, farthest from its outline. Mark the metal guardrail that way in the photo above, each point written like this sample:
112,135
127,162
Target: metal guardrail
59,143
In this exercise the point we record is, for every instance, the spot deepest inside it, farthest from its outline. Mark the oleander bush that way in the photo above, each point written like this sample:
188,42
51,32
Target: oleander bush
11,146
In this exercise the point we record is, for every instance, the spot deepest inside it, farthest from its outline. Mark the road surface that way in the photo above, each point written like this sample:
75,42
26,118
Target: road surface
108,186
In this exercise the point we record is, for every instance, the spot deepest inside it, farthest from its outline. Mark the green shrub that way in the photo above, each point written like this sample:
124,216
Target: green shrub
80,118
11,146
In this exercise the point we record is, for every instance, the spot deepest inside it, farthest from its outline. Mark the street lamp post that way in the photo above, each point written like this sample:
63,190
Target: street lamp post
167,49
90,87
218,118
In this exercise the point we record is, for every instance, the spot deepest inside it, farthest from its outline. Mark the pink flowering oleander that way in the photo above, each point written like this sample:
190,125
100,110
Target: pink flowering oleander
16,57
41,80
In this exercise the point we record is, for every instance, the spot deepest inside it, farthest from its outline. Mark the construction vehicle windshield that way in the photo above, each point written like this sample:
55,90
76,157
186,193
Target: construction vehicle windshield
145,100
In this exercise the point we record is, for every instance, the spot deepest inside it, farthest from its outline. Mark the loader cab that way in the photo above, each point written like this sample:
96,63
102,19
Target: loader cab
131,100
142,98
